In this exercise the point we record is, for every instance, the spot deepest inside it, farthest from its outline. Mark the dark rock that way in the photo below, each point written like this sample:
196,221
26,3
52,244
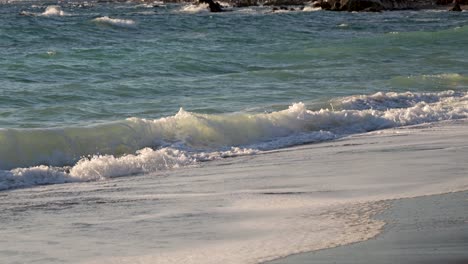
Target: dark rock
326,5
361,5
336,6
214,6
443,2
244,3
316,4
448,2
372,9
456,8
283,2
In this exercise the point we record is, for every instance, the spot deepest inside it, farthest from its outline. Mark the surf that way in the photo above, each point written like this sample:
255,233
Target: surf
138,146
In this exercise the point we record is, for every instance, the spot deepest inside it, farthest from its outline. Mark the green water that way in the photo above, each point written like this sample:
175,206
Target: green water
71,70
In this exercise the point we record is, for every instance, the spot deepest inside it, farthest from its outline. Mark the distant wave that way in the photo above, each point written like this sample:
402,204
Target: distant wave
115,21
311,9
194,8
452,80
53,10
40,156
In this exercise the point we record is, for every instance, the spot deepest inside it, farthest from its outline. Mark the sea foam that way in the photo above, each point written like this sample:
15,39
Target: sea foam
53,10
101,167
115,21
136,145
311,9
194,8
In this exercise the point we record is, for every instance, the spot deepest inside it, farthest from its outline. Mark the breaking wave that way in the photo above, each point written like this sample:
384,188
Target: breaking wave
194,8
114,21
50,11
42,156
53,10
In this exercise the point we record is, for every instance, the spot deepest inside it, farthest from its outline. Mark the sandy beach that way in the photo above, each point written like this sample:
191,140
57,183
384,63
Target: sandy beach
429,230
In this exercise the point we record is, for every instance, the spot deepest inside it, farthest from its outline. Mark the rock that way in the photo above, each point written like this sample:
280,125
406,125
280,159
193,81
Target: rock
443,2
214,6
456,8
448,2
316,4
244,3
326,5
372,9
336,6
283,2
361,5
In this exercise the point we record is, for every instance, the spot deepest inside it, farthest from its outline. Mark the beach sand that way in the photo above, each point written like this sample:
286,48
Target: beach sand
429,229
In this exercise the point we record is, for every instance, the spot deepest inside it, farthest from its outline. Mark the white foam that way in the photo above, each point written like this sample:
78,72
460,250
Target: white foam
194,8
146,160
100,167
53,10
311,9
123,148
38,175
115,21
383,101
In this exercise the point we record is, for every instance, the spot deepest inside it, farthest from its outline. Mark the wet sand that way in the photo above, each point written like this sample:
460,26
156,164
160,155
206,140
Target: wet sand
429,230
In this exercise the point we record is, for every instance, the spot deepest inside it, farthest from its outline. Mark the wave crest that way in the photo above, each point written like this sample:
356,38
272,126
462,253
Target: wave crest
136,145
199,132
115,21
194,8
53,10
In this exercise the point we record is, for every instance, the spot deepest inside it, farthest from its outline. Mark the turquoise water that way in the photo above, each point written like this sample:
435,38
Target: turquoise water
71,70
83,79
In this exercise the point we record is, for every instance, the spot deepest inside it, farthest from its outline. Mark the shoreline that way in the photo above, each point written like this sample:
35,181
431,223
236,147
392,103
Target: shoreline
428,229
256,208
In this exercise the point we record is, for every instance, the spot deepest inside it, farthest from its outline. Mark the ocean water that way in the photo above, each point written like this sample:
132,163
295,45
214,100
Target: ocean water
159,99
80,79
